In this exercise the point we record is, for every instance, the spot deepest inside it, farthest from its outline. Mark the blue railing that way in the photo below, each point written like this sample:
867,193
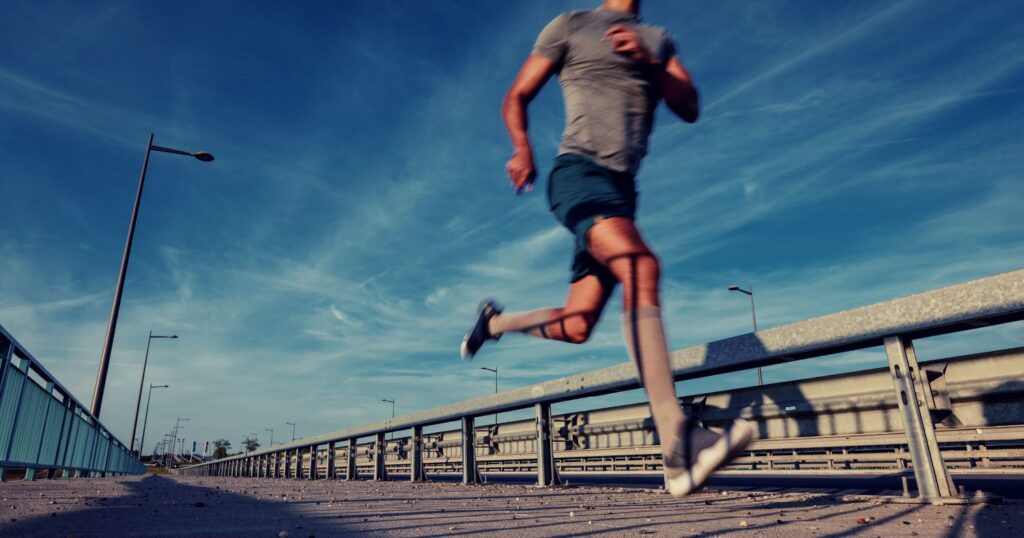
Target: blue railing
44,428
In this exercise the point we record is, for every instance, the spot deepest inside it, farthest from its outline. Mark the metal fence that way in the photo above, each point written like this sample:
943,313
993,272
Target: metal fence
44,428
915,405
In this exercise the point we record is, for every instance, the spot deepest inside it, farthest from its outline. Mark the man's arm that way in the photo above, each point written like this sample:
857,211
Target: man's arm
531,78
672,78
678,91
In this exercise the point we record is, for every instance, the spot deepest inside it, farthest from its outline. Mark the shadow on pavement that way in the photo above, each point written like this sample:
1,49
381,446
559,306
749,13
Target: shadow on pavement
157,506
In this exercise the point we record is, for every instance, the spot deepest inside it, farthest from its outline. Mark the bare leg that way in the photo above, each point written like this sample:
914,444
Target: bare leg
616,243
571,323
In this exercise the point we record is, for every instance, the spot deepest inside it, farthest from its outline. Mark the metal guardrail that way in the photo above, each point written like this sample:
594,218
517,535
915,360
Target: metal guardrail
893,324
842,424
44,428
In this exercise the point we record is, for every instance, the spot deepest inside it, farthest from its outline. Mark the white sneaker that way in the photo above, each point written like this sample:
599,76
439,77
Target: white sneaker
701,452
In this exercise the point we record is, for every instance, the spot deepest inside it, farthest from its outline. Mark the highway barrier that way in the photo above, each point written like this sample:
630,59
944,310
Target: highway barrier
43,428
915,418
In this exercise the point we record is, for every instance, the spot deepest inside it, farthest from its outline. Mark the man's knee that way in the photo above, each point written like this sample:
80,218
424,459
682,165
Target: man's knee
639,274
576,329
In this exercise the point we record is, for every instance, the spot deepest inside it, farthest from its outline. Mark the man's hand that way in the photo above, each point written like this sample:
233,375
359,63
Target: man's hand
521,170
626,41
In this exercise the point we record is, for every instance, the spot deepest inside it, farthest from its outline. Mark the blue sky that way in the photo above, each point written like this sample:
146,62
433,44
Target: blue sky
357,211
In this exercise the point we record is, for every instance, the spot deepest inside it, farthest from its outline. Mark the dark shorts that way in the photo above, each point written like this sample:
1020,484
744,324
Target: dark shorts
581,191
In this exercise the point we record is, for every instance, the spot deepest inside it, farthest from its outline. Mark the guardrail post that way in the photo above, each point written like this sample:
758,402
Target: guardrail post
330,461
30,474
416,473
547,472
470,474
929,469
379,470
351,471
314,470
5,359
24,365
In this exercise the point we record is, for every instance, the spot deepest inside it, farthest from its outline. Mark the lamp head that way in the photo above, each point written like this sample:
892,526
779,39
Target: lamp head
734,288
203,156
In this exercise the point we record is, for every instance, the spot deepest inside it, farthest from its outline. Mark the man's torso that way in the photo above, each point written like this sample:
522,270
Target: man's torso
609,99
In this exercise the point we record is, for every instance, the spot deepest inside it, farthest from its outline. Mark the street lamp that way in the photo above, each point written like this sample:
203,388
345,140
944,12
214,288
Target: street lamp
753,317
146,418
292,424
177,429
138,402
495,370
108,342
392,434
271,435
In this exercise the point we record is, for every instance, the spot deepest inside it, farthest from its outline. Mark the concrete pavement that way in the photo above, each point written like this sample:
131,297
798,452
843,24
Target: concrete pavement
194,507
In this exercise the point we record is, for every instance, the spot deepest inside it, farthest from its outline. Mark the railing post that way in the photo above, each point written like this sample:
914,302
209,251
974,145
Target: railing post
42,434
330,461
547,472
5,359
314,470
351,471
379,469
929,469
67,454
17,410
470,474
416,473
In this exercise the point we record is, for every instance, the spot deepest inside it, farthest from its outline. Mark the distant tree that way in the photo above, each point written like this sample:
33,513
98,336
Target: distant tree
250,444
220,448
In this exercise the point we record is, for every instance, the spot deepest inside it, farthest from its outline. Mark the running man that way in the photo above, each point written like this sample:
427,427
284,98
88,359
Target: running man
613,70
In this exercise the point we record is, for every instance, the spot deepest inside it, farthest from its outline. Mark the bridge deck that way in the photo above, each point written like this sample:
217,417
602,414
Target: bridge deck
196,506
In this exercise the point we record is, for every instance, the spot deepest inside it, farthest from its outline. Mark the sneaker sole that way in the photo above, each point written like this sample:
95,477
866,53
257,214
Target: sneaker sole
733,441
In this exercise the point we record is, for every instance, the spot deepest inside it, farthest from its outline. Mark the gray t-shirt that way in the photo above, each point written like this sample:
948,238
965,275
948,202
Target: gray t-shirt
609,99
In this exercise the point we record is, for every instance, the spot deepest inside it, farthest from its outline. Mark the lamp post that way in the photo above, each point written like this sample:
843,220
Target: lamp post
292,424
145,419
177,428
108,342
753,317
271,435
138,401
392,434
495,370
